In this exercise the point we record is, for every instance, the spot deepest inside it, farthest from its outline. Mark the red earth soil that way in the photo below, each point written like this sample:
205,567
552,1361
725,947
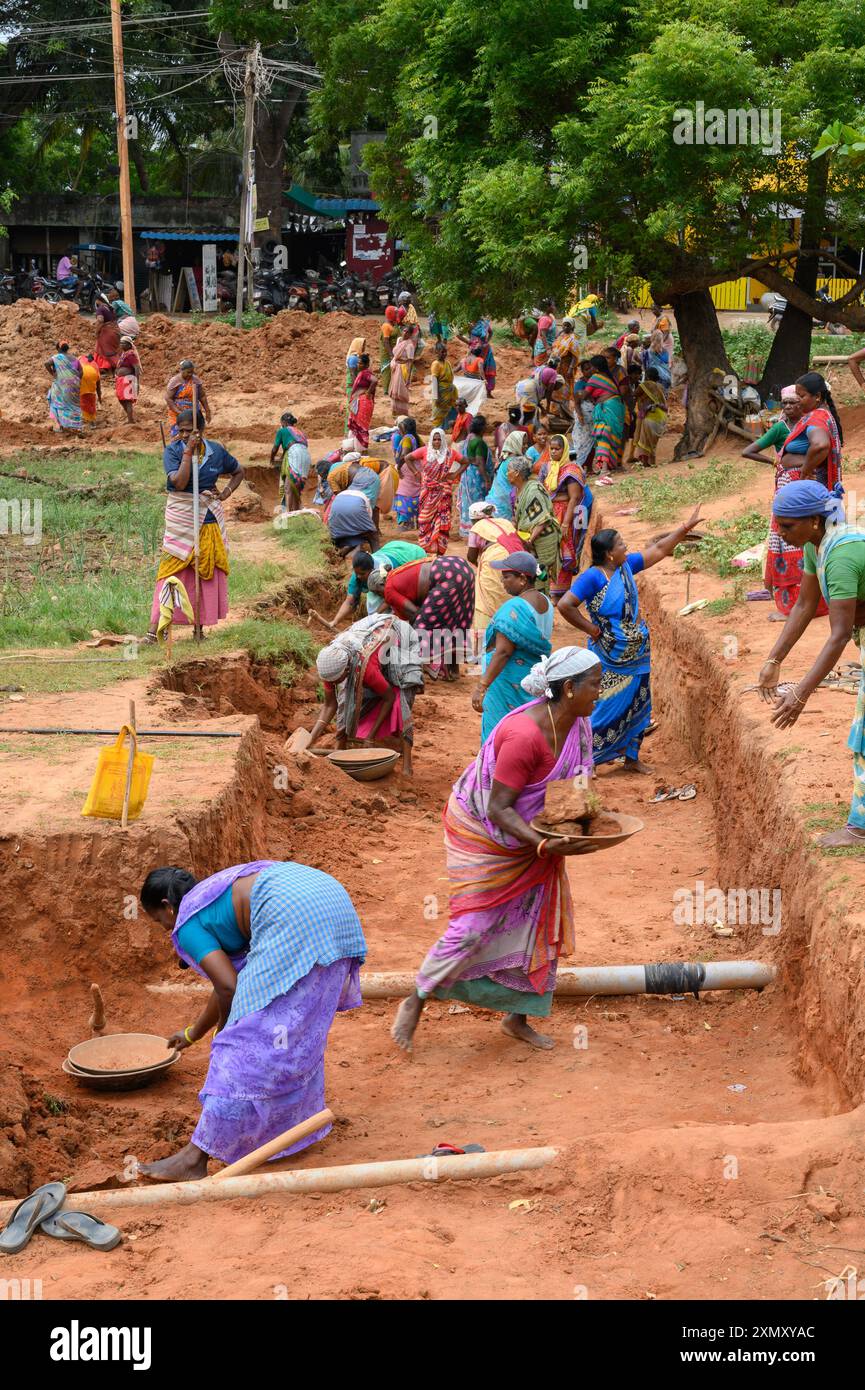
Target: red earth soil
708,1148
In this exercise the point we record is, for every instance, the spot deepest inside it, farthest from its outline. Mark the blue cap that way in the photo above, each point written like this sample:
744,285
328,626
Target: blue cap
521,562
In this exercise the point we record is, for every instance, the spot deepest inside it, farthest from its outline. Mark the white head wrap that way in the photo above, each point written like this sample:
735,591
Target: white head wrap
437,455
481,509
566,663
332,661
377,578
353,456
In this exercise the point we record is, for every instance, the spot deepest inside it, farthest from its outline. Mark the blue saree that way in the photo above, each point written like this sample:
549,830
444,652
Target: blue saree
530,633
624,708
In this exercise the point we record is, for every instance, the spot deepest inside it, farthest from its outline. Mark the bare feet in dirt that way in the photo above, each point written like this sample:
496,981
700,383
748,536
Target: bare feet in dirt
635,765
515,1026
406,1021
843,839
187,1165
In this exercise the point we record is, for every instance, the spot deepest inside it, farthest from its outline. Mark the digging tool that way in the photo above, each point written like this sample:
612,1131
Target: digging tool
124,816
274,1146
335,1179
314,614
162,434
196,518
97,1018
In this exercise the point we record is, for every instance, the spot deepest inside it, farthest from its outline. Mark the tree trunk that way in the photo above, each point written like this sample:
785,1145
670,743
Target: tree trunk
791,350
271,125
703,351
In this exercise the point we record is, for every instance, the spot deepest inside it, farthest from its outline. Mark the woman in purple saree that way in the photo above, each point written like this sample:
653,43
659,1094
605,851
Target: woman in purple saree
510,904
282,946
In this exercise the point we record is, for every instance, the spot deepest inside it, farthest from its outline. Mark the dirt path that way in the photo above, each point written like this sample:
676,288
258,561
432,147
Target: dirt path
669,1184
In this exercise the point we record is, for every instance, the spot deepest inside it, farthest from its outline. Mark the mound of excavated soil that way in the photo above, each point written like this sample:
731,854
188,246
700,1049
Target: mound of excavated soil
295,360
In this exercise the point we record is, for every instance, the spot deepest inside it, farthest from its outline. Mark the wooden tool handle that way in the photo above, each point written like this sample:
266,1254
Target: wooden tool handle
275,1146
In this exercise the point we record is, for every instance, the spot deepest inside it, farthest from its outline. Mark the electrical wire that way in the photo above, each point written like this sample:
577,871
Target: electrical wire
79,25
97,76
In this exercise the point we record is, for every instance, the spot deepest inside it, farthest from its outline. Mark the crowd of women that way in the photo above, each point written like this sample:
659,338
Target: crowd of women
75,390
281,944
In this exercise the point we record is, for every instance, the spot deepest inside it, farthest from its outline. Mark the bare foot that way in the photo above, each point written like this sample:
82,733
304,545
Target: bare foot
406,1021
186,1166
841,839
515,1026
634,765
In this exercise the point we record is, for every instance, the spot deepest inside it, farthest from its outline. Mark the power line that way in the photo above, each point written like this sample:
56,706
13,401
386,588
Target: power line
97,76
79,26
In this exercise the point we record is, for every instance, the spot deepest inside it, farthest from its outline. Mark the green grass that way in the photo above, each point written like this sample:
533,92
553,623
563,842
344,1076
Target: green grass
729,538
250,318
94,568
290,648
309,544
661,497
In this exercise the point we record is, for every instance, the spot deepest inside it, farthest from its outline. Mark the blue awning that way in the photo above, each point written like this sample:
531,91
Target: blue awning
189,236
330,207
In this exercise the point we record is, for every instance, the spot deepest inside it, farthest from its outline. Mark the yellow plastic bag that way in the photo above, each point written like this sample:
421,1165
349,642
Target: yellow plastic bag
108,788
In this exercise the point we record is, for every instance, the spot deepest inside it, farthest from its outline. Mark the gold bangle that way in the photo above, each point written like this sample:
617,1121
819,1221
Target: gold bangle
540,850
186,1035
772,661
798,698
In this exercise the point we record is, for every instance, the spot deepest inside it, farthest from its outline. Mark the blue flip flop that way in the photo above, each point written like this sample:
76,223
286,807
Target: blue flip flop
29,1215
79,1225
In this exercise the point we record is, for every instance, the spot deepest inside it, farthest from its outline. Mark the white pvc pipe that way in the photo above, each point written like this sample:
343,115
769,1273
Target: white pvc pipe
582,980
336,1179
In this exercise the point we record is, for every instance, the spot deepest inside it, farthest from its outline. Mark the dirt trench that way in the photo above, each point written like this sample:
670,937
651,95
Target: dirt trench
662,1089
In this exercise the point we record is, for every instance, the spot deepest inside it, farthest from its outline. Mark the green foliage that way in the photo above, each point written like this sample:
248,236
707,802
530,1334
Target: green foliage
517,132
730,538
661,496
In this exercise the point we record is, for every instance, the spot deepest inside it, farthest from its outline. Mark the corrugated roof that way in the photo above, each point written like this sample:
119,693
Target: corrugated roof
330,207
188,236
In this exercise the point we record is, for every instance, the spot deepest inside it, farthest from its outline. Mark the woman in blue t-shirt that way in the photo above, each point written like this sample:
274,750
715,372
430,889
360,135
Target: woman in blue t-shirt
620,637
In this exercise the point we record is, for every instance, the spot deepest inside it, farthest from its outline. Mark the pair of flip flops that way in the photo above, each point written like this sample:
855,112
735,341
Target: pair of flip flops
686,793
41,1211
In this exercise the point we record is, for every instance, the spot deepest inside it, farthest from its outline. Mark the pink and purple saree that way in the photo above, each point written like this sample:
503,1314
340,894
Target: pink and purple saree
511,915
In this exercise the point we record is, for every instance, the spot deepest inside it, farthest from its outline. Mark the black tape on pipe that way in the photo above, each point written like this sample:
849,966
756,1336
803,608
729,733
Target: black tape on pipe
676,977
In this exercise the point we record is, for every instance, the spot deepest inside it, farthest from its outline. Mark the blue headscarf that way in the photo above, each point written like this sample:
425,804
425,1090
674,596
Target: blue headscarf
807,498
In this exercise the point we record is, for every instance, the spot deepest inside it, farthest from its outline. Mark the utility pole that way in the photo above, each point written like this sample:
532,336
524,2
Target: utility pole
123,156
244,245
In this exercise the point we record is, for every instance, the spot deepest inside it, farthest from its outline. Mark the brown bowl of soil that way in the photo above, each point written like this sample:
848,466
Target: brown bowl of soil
610,828
121,1052
365,764
118,1080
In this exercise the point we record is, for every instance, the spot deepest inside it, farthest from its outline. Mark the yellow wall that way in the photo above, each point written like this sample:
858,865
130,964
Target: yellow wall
736,295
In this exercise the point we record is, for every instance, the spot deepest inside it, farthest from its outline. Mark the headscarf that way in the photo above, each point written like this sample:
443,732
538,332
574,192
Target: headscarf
808,498
376,581
332,661
438,455
514,444
353,456
478,510
551,481
548,376
564,664
390,313
788,395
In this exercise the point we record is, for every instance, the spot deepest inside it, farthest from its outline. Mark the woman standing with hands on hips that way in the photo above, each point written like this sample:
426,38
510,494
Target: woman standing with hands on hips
811,517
